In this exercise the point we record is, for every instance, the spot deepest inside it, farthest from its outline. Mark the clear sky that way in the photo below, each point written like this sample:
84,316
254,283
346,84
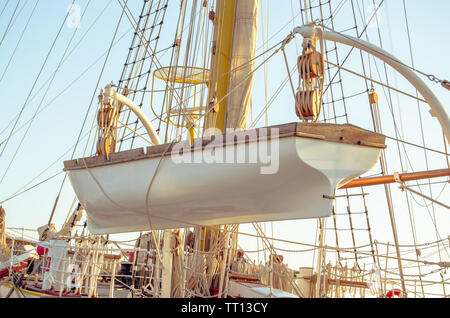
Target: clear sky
57,126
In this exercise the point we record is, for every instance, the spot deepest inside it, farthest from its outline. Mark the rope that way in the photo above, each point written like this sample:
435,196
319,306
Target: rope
142,38
64,90
43,97
138,65
87,113
431,77
20,39
57,161
32,187
9,26
4,7
49,78
424,196
34,84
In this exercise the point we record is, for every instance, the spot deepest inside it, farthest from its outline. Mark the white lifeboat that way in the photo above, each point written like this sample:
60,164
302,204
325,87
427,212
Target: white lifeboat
294,175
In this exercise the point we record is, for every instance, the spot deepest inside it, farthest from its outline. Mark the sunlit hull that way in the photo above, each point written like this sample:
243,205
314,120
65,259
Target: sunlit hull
117,198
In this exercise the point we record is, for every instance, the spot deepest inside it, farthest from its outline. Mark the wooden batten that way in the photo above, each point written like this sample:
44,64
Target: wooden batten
112,257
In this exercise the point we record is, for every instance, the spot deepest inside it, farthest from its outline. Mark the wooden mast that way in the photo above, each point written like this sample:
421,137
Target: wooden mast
2,231
220,63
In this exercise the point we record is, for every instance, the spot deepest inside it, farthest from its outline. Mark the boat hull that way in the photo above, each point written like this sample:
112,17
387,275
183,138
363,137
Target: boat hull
148,192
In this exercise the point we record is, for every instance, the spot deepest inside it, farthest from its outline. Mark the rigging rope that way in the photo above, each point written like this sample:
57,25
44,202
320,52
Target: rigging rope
149,188
16,193
49,78
20,39
35,82
11,23
87,113
44,95
4,7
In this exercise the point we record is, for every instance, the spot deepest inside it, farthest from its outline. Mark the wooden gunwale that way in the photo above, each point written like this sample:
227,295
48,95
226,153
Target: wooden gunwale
345,134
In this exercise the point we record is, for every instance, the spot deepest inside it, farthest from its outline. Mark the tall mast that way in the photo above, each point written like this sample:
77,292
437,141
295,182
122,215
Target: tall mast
220,62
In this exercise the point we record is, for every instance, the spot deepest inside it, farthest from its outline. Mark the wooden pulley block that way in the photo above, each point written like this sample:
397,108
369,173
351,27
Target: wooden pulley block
308,102
373,97
106,116
106,145
212,15
310,65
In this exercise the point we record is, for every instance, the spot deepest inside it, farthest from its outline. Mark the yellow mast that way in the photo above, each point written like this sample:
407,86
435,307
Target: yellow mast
220,63
218,80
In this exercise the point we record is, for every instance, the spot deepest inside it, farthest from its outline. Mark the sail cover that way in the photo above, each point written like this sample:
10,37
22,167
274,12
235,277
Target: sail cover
243,50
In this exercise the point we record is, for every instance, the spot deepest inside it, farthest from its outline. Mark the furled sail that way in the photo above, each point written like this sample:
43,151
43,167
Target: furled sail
243,50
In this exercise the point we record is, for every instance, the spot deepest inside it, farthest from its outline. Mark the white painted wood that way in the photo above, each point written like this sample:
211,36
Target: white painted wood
185,194
113,280
166,275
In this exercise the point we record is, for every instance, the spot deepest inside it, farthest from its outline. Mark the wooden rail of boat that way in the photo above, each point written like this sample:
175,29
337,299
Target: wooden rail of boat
345,134
412,176
337,282
18,241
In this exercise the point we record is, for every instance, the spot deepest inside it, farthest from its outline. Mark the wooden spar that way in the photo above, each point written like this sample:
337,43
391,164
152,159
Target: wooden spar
220,62
166,275
364,182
